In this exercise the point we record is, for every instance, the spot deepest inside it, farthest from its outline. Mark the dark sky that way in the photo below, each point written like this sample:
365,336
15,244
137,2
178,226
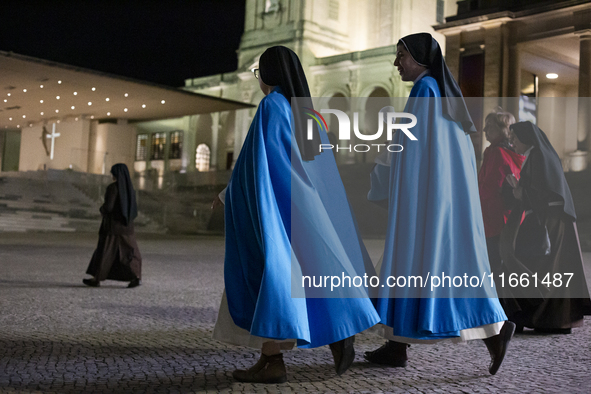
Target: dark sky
162,41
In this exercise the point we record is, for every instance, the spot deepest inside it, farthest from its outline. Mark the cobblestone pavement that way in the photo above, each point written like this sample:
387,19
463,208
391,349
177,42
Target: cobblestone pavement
57,335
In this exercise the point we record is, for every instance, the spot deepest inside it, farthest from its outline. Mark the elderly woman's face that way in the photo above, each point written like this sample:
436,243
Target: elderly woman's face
519,146
492,131
407,67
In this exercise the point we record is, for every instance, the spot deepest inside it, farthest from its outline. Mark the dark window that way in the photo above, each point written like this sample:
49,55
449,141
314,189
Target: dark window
158,146
472,85
176,144
229,160
141,149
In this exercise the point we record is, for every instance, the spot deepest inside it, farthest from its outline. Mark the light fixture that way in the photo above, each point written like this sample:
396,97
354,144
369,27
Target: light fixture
126,94
24,90
107,99
89,103
125,109
41,113
57,97
18,126
143,105
9,118
41,86
75,93
551,75
76,119
8,94
92,117
5,100
162,102
93,89
59,82
24,116
41,101
73,107
108,114
57,110
58,121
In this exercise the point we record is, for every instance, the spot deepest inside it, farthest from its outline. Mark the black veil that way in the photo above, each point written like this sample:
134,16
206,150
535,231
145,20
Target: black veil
425,50
280,66
547,174
126,192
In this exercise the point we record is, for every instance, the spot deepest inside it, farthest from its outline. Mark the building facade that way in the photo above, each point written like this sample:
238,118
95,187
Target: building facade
347,50
533,58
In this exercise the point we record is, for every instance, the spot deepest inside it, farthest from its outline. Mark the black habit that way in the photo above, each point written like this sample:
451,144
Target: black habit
547,200
117,256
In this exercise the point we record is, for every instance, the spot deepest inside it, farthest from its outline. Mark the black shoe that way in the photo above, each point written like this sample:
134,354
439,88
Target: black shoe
497,346
91,282
553,330
392,354
343,353
134,283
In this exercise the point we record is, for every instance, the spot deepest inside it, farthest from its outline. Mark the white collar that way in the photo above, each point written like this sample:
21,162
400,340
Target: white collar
526,154
421,75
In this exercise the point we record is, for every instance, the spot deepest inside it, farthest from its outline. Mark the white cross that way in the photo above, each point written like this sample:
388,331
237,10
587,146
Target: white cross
53,136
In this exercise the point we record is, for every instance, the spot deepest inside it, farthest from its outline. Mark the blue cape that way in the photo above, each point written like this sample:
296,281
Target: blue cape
434,224
271,186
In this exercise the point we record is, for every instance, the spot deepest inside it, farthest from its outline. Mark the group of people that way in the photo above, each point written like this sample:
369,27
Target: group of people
530,224
287,215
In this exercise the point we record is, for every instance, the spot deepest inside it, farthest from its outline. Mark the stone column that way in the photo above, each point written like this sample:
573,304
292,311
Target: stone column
215,129
452,53
584,111
513,71
493,60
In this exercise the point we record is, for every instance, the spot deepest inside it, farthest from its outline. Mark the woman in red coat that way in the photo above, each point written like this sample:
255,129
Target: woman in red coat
500,160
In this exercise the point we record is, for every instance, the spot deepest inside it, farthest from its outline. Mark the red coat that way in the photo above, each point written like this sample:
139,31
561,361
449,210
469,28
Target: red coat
498,162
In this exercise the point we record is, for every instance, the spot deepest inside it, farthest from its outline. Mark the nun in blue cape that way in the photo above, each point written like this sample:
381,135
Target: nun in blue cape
286,217
435,224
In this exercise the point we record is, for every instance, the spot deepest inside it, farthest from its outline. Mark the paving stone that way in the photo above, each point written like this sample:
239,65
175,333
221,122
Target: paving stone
57,335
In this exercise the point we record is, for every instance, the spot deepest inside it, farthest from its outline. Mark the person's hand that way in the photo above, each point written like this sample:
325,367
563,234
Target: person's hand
216,203
518,192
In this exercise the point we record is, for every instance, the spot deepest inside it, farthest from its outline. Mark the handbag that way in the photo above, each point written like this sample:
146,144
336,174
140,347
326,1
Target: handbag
532,239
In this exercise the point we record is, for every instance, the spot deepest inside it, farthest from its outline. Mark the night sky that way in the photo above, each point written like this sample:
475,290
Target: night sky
163,41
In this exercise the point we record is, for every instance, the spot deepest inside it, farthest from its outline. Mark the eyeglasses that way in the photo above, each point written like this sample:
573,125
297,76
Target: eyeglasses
255,71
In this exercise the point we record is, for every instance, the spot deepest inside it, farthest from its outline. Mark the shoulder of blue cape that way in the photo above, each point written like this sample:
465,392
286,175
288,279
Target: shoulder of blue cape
275,102
425,87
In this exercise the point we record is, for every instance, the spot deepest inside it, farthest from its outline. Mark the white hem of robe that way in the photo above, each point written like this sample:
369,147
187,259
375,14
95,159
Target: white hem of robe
469,334
222,195
227,331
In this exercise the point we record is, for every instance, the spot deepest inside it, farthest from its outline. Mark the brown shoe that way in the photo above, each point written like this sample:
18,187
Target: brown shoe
392,354
497,346
269,369
343,353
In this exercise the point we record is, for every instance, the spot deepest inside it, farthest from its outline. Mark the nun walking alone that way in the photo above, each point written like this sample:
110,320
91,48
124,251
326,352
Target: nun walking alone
117,256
